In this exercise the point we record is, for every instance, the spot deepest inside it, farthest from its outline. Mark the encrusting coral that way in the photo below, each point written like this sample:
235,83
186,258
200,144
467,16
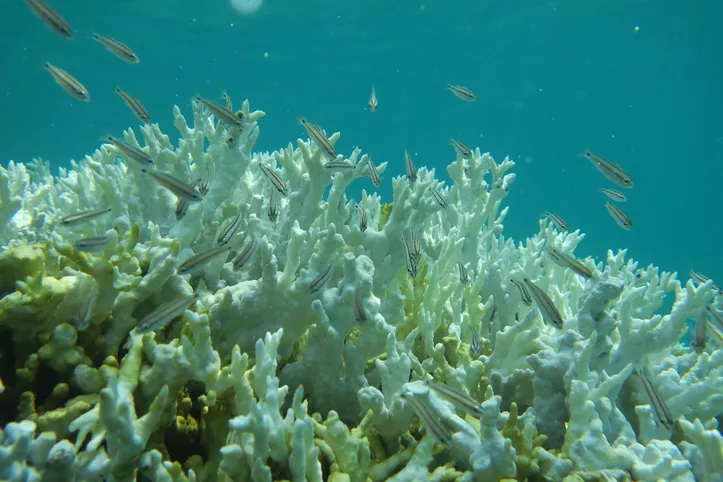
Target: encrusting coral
304,351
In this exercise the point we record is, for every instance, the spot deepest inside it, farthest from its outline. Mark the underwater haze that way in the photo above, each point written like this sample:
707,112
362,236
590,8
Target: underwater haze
638,82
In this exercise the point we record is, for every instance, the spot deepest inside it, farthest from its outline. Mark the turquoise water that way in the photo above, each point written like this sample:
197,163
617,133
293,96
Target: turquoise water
638,82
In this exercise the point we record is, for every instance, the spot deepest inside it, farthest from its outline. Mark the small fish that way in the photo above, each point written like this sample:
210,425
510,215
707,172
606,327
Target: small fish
462,151
121,50
131,152
410,260
363,220
614,195
566,261
318,283
91,244
373,100
228,103
428,418
51,18
135,105
339,166
360,313
462,92
439,197
619,216
610,170
374,173
199,260
699,334
69,83
416,246
164,314
83,216
549,312
475,346
245,254
317,135
459,399
274,179
657,402
182,204
82,320
223,114
463,276
176,186
700,279
203,186
229,230
273,208
559,223
524,294
409,167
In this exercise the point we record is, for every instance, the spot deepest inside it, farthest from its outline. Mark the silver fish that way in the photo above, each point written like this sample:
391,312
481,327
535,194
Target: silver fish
462,92
439,197
274,179
475,346
524,294
176,186
82,320
700,279
374,173
83,216
228,103
245,254
699,334
557,220
182,204
339,166
614,195
410,260
51,18
409,167
233,119
273,208
657,402
373,100
92,243
69,83
619,216
118,48
199,260
462,151
566,261
164,314
459,399
131,152
416,250
549,312
229,230
363,220
428,418
318,283
135,105
463,276
610,170
317,135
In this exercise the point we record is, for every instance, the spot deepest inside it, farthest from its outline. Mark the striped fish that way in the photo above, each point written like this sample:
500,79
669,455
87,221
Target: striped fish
229,230
339,166
410,260
118,48
69,83
318,283
699,340
524,294
164,314
463,275
610,170
557,220
274,179
614,195
92,243
657,402
566,261
51,18
135,105
428,418
363,220
318,136
409,167
462,151
459,399
619,216
439,197
273,208
223,114
700,279
131,152
374,173
462,92
550,313
245,254
179,188
373,103
201,259
83,216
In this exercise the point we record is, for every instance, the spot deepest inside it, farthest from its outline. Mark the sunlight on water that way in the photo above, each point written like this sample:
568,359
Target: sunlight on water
246,7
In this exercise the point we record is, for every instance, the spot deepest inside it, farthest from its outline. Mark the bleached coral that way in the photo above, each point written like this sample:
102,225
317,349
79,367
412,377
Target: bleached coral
298,363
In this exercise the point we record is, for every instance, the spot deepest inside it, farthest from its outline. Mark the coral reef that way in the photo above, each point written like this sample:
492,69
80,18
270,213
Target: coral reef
245,320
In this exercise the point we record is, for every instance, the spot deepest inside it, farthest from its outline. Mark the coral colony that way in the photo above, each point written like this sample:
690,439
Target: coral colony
192,310
209,315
